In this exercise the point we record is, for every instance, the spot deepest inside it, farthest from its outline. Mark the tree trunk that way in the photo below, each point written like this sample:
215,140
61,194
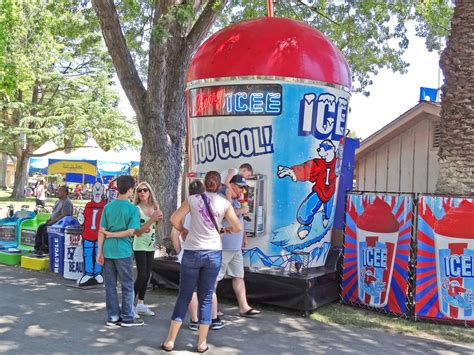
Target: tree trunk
456,163
162,152
21,176
160,107
3,170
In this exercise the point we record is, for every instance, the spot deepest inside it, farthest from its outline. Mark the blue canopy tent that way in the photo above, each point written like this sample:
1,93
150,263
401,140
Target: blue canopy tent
109,170
80,171
86,164
38,166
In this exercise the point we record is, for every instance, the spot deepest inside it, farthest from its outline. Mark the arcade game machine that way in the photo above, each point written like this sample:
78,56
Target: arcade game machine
26,243
9,237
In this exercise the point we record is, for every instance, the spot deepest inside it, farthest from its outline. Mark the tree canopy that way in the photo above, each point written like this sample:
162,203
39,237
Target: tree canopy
371,34
55,78
55,81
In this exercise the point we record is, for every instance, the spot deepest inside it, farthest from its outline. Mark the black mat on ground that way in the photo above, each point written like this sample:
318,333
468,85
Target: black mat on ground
302,293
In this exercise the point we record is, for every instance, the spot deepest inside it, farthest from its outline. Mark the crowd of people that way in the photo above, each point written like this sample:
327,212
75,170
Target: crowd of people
207,235
40,190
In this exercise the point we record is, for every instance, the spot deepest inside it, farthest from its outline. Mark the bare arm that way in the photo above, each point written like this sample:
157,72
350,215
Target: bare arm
143,228
100,241
231,217
155,217
245,241
177,218
52,221
121,234
175,240
229,193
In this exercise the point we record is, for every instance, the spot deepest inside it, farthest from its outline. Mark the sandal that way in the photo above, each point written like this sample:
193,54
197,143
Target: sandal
164,348
250,313
202,350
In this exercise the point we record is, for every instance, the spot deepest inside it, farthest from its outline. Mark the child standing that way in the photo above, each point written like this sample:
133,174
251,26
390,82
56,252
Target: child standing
119,221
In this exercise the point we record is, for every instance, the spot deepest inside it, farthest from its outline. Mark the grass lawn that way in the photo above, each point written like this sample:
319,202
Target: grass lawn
5,201
359,317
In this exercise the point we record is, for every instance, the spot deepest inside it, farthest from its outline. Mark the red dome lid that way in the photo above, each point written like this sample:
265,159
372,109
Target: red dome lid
378,217
270,46
457,223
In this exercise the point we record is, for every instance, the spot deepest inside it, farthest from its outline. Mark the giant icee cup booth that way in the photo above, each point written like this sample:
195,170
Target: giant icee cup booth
273,92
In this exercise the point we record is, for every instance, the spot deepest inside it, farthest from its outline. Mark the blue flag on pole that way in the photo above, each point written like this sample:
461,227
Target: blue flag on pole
428,94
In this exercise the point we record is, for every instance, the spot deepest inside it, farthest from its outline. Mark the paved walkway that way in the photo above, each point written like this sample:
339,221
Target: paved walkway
40,314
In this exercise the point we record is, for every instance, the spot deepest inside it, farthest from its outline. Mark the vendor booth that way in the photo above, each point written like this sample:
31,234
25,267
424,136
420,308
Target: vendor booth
274,93
87,164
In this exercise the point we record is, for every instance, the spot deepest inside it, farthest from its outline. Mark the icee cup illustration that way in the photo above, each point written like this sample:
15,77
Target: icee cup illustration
454,247
377,236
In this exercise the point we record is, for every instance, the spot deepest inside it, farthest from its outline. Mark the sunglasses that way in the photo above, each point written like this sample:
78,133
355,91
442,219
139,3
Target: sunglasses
144,189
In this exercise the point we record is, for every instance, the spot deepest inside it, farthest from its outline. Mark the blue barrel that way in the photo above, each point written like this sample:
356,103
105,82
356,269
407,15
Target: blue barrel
56,243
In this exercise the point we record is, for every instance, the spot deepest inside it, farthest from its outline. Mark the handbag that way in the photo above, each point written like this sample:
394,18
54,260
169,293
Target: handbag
208,208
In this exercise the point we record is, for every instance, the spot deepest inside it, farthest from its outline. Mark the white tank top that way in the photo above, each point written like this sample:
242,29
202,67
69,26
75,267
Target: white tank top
202,232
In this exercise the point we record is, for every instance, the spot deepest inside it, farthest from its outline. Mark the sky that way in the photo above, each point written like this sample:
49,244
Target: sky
393,94
390,95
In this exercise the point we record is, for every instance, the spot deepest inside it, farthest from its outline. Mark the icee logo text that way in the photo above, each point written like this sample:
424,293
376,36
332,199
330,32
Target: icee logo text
459,266
323,116
375,257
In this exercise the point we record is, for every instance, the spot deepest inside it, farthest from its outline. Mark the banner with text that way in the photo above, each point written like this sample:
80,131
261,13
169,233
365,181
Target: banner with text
445,258
377,239
292,133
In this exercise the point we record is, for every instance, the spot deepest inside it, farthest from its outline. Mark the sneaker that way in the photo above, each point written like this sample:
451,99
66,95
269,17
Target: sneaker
217,324
133,323
114,323
90,282
144,310
39,253
99,279
135,314
193,325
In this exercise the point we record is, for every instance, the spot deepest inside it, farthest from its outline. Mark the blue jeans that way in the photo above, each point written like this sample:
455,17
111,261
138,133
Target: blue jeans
310,206
198,268
123,269
91,267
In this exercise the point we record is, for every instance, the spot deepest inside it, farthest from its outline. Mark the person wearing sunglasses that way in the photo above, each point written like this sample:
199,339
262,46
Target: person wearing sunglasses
144,242
232,243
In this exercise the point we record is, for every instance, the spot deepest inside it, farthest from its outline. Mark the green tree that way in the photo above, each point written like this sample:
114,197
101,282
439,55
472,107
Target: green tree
151,44
55,79
456,174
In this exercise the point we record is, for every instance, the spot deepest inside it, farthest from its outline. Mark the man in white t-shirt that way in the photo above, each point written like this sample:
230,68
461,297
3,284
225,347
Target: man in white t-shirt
232,258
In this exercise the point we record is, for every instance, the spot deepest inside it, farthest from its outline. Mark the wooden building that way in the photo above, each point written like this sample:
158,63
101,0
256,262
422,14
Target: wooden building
402,156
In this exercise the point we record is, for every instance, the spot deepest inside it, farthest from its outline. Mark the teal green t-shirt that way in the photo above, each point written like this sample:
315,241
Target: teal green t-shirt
119,215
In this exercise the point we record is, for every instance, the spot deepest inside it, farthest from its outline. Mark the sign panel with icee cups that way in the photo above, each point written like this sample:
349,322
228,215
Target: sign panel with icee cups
445,258
376,250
